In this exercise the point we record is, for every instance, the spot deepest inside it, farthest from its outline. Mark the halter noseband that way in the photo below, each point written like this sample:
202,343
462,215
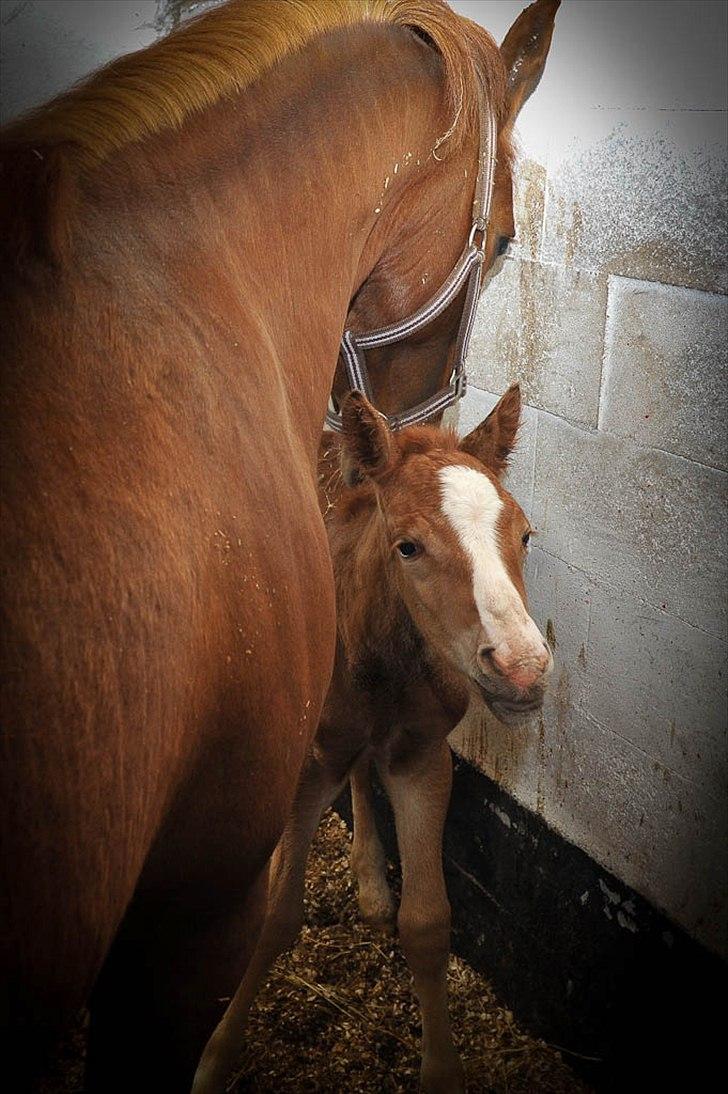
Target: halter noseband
467,270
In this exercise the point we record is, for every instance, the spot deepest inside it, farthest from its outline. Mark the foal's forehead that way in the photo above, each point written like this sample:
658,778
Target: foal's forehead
461,489
471,501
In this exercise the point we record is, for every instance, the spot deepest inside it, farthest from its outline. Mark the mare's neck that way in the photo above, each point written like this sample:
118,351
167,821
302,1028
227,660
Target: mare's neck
281,201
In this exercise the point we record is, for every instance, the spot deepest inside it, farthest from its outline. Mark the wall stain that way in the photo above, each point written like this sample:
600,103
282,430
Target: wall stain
574,233
541,752
530,197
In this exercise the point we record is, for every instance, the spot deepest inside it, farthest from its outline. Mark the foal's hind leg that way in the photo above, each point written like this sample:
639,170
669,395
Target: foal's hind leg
420,797
317,789
367,855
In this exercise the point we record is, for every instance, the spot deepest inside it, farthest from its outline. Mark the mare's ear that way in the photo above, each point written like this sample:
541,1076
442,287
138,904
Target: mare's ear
367,449
494,439
524,51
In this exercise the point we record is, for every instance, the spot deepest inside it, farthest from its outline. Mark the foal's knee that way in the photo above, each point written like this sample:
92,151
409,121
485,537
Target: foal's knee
281,929
366,857
425,933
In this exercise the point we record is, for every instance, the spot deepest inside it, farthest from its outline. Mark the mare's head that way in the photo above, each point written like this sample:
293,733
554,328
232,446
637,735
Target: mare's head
425,212
456,542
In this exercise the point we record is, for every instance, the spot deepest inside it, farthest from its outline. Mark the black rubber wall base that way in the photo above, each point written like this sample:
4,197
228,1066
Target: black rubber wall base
583,961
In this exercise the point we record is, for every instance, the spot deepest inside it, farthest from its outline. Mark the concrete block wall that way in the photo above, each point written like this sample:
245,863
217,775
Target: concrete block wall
611,311
48,45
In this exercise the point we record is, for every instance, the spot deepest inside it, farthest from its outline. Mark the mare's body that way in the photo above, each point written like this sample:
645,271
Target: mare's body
177,268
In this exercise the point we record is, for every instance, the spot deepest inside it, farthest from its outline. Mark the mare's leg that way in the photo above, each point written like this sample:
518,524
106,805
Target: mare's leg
368,864
194,921
317,789
420,796
160,991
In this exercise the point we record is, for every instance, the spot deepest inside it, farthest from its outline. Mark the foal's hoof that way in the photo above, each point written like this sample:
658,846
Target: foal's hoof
443,1077
379,912
386,927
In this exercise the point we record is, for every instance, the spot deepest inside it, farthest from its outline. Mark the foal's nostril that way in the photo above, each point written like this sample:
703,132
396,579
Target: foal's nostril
491,662
485,658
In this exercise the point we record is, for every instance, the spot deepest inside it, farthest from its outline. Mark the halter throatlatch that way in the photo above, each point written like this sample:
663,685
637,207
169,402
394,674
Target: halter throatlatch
467,271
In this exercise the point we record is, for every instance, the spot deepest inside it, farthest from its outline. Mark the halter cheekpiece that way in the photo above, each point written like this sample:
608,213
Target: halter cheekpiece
467,271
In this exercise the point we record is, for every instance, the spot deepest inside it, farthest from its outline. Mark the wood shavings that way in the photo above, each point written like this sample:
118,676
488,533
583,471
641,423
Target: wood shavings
338,1013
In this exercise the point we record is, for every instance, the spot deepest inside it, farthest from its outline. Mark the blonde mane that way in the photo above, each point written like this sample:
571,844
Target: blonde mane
223,51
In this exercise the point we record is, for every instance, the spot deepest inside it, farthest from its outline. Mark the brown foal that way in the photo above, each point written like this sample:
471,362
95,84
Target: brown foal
428,550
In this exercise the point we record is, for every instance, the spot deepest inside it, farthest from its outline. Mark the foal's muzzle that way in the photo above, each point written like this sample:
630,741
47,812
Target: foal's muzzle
509,703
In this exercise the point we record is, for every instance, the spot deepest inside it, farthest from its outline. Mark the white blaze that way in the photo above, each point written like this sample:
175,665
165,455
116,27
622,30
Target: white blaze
471,503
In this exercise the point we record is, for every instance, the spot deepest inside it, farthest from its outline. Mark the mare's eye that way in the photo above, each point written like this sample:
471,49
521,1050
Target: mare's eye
503,245
526,539
407,548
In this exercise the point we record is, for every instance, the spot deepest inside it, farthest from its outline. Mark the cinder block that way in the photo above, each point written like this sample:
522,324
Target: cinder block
659,833
518,479
628,793
660,684
641,193
642,521
508,755
529,197
543,326
559,599
560,603
665,379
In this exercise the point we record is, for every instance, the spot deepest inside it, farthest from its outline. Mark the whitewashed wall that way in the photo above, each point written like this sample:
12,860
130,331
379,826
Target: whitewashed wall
47,45
610,311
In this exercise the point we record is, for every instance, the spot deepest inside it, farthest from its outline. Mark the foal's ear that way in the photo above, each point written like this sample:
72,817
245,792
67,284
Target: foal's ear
367,449
494,439
524,51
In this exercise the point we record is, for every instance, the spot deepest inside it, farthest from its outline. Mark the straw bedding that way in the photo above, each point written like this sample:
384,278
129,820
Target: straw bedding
337,1013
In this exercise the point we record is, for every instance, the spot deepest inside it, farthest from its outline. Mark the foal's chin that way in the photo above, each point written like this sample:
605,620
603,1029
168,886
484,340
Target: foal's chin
512,710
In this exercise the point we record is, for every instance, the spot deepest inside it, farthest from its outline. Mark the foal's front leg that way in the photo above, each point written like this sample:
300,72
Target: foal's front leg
368,863
420,797
317,788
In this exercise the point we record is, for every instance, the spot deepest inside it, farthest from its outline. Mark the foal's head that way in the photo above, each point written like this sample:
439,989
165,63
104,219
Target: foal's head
457,542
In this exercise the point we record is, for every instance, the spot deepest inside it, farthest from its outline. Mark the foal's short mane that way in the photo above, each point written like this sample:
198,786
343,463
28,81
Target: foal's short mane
225,50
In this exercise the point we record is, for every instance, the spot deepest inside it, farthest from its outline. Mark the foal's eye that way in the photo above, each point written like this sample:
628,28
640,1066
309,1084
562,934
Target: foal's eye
407,548
526,540
503,245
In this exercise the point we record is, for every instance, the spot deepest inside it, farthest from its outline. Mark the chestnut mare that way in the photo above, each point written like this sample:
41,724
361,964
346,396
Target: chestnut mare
184,239
428,551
